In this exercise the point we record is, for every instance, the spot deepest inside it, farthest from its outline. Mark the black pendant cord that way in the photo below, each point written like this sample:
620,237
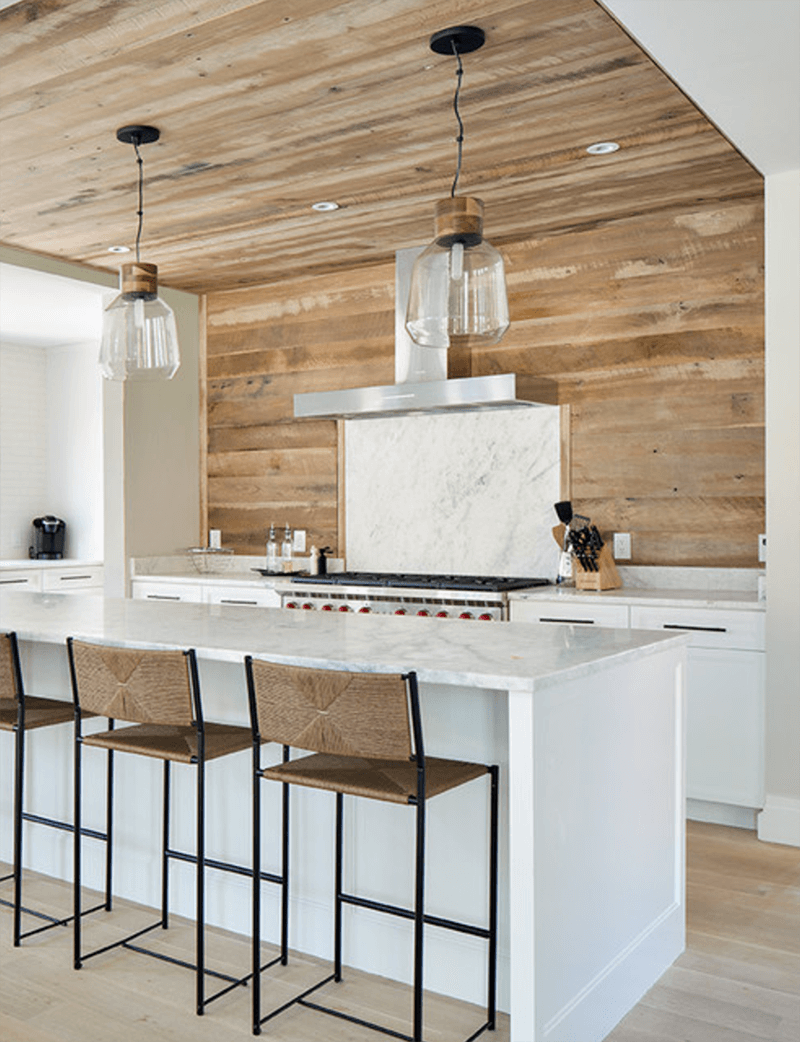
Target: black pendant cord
140,211
460,138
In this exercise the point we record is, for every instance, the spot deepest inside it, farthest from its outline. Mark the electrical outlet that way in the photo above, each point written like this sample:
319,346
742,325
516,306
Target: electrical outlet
299,541
762,547
622,546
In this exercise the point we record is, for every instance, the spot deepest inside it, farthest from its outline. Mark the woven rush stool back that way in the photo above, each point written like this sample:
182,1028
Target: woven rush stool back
324,711
8,687
145,687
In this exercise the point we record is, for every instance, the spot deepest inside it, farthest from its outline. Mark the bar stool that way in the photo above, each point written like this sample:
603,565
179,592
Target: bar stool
364,731
158,691
20,713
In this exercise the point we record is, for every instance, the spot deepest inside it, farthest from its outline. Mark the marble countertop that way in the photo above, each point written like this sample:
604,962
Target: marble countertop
515,656
734,600
64,562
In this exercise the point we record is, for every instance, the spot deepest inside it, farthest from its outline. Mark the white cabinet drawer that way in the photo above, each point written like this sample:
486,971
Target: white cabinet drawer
65,580
248,596
707,627
21,579
158,591
534,610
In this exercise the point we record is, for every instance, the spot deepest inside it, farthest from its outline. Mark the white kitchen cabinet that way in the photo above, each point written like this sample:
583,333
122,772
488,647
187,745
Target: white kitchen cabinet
725,700
73,579
29,579
195,590
149,590
247,595
578,614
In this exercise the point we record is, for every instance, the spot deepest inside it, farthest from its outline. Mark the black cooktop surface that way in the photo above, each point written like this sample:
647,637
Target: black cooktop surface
492,583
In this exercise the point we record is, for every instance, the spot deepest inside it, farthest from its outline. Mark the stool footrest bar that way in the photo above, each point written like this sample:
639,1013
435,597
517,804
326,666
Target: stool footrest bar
296,999
356,1020
123,942
65,826
407,913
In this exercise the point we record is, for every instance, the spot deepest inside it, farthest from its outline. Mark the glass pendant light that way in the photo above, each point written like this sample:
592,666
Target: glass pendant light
140,338
458,287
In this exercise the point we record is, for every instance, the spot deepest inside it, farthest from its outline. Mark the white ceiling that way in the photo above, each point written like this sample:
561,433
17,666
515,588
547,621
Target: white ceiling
38,309
738,60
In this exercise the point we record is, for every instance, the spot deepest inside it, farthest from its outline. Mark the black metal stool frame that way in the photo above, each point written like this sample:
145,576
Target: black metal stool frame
199,859
417,914
21,816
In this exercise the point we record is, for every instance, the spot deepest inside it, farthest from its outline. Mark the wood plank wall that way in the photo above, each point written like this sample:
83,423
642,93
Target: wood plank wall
652,325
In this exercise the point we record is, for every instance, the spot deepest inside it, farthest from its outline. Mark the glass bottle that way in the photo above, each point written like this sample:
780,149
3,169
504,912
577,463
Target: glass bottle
273,563
286,550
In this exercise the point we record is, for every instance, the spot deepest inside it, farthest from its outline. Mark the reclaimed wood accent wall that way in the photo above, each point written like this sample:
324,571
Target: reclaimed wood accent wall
651,324
263,345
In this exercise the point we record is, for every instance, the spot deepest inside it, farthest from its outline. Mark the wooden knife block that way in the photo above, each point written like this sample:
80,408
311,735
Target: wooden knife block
605,578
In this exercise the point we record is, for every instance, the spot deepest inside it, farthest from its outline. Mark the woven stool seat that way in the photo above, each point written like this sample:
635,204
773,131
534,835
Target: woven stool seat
173,742
391,780
39,712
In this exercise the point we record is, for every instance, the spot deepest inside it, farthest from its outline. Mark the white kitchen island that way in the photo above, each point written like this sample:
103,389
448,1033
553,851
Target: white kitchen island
588,728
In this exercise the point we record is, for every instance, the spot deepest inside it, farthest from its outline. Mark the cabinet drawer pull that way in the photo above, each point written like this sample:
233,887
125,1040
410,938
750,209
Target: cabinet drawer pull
579,622
163,597
699,629
72,578
12,582
231,600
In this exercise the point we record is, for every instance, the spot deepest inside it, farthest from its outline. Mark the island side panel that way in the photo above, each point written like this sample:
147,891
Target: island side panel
599,760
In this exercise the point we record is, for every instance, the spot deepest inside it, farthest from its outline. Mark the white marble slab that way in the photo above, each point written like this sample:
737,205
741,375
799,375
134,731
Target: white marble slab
449,651
468,493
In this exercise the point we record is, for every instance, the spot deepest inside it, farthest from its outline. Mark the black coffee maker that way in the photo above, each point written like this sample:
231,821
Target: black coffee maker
48,538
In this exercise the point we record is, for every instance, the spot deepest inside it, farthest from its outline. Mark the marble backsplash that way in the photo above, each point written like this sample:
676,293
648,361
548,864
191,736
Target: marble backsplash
468,492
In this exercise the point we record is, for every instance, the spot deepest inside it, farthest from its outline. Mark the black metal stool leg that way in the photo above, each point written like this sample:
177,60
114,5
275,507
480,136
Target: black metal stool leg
166,790
109,820
419,925
491,1011
19,787
201,856
337,922
76,866
256,953
285,869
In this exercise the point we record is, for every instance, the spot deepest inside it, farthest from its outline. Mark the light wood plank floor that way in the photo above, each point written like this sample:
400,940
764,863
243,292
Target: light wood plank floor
738,981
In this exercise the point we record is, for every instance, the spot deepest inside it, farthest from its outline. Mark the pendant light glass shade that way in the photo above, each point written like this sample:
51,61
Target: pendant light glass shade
140,338
458,286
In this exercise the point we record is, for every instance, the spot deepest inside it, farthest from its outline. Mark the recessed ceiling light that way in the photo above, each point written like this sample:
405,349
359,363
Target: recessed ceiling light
324,207
602,148
119,249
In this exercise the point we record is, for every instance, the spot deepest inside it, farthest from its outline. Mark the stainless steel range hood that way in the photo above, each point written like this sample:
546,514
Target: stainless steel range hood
421,378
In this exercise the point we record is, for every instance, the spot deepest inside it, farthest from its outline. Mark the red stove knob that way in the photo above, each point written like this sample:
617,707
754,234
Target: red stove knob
365,610
290,604
345,607
327,607
423,611
308,607
441,614
466,615
486,617
401,611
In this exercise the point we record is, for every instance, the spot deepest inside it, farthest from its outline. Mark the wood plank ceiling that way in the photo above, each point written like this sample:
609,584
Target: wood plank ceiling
266,108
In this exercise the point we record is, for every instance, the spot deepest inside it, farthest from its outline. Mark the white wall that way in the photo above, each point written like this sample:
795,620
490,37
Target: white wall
75,447
780,820
23,446
51,453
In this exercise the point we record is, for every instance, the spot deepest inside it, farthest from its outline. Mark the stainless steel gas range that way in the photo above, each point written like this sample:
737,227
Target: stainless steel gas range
388,593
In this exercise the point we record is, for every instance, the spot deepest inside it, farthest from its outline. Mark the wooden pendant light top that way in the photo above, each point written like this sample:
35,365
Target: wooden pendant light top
139,278
459,216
